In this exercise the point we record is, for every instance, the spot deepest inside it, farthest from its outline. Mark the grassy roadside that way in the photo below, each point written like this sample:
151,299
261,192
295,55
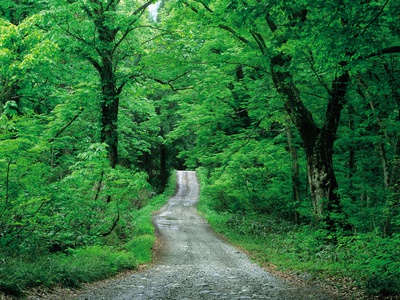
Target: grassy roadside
364,266
73,267
275,251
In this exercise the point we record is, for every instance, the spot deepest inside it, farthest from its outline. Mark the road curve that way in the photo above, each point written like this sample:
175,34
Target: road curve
196,264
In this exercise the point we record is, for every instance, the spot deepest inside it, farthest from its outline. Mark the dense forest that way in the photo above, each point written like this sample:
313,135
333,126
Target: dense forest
288,110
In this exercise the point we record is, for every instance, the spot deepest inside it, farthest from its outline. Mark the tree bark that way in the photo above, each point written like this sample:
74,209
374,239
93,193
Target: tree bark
7,191
321,177
351,165
109,120
163,163
109,89
295,169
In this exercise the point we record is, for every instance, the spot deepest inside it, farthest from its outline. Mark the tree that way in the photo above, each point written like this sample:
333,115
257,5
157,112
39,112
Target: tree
311,64
57,168
103,41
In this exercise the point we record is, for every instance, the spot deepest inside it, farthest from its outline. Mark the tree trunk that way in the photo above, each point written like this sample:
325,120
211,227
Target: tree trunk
109,126
395,178
351,165
321,177
106,44
385,166
163,163
317,141
295,169
110,92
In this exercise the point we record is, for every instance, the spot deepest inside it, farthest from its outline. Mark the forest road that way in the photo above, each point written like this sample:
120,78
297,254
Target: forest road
196,263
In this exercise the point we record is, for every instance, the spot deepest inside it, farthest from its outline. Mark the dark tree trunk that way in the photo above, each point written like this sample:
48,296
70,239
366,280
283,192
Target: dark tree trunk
317,142
321,176
351,165
163,163
110,92
109,123
295,169
394,203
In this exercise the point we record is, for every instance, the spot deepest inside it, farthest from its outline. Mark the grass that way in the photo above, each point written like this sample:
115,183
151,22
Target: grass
67,269
73,267
277,251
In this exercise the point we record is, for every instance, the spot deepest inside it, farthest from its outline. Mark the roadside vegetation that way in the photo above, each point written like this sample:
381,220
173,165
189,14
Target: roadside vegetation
363,265
103,258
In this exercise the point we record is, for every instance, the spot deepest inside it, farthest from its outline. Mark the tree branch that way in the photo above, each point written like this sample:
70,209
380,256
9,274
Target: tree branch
192,8
111,2
259,40
95,64
169,82
335,105
142,8
389,50
271,24
153,38
310,59
227,28
112,226
99,186
7,187
66,125
123,37
75,35
330,22
206,7
376,17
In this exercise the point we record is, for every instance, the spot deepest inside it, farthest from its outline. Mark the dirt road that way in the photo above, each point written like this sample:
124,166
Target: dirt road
196,264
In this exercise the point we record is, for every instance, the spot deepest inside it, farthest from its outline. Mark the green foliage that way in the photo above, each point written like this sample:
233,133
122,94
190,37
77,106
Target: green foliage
141,246
140,126
203,88
374,262
69,269
236,100
72,267
368,261
59,198
71,212
251,180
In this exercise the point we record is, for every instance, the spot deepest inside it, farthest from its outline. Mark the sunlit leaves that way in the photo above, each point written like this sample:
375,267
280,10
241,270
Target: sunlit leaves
57,172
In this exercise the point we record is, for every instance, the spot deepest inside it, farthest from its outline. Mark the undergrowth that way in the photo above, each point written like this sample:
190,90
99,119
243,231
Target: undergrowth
365,262
72,267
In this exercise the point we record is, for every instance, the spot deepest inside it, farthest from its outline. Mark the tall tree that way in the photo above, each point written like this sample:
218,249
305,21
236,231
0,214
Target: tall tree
102,31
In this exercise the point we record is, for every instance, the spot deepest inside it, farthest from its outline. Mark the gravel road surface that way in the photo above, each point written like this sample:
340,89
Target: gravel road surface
196,264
